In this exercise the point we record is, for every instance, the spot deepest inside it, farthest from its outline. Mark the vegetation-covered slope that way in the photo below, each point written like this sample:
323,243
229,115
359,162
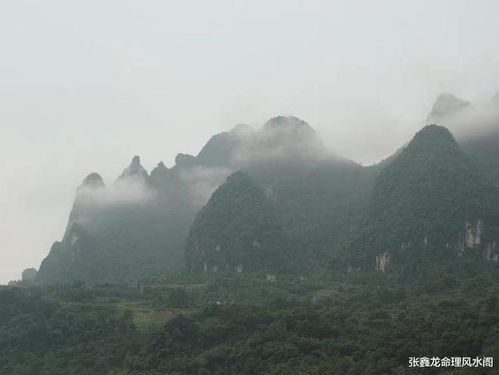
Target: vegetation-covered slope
237,230
136,228
133,229
319,204
429,201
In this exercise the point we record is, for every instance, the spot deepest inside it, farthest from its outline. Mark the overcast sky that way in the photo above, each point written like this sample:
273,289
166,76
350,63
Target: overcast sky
85,85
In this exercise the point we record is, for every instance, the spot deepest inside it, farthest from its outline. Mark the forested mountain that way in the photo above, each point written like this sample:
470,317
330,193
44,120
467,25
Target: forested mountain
136,227
429,203
328,208
237,230
317,195
133,229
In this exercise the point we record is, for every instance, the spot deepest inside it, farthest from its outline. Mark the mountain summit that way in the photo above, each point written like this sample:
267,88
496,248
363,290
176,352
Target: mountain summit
290,136
93,180
135,170
425,204
237,230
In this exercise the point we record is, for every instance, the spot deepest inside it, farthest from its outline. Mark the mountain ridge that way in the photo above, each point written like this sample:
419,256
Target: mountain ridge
136,227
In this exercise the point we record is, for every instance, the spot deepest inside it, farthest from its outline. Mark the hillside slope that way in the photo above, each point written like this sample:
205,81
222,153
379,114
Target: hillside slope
430,202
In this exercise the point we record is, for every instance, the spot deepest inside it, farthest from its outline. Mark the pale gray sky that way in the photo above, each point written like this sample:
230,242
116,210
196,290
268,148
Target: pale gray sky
85,85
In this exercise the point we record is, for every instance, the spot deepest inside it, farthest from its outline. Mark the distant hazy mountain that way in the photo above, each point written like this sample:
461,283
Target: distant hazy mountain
476,127
446,105
132,229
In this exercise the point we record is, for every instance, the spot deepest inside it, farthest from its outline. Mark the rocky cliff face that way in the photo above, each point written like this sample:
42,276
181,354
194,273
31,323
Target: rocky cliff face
473,236
382,262
491,252
473,241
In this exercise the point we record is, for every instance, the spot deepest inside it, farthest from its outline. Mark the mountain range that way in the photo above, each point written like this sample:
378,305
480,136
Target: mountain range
276,200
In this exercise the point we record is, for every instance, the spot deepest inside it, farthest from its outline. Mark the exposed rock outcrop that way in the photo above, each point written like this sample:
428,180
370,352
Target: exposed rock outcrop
382,262
473,234
491,253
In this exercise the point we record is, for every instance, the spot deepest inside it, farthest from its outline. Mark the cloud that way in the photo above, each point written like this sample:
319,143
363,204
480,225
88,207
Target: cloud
281,139
201,182
123,191
470,119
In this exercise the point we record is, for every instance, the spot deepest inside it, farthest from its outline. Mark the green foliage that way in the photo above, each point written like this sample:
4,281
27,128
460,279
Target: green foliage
123,242
318,202
236,227
245,325
421,202
483,149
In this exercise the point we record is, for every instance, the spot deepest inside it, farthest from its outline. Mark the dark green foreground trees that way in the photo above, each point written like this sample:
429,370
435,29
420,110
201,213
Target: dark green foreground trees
243,325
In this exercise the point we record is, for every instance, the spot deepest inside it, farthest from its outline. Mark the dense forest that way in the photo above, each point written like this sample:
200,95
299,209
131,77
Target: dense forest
245,324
